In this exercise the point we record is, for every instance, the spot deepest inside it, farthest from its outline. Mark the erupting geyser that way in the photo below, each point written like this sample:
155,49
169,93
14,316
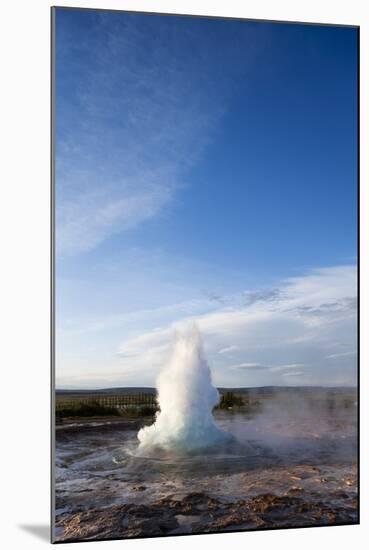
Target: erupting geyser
186,397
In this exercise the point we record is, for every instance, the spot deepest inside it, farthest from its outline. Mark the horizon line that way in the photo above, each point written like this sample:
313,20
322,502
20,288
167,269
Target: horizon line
218,387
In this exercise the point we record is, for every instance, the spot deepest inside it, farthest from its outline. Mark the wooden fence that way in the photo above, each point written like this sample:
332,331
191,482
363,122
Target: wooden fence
117,401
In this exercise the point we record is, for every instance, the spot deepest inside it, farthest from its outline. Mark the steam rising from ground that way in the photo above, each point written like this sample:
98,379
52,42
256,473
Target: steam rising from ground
186,397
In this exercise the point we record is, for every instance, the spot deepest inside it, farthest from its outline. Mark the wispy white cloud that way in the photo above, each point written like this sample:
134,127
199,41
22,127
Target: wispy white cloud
228,349
249,366
343,354
90,218
280,368
128,131
316,311
275,368
269,341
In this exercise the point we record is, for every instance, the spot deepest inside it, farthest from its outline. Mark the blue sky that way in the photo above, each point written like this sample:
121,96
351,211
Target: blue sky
205,169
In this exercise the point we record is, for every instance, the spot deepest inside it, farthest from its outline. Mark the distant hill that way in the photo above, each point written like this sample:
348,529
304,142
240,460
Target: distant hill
262,390
103,391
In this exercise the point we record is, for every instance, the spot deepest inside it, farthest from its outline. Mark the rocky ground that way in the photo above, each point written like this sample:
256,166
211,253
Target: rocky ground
103,494
313,497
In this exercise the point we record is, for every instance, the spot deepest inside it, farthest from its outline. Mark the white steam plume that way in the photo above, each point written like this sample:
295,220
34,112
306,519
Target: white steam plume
186,397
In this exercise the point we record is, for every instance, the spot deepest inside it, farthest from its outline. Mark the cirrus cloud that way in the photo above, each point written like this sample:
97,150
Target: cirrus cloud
273,340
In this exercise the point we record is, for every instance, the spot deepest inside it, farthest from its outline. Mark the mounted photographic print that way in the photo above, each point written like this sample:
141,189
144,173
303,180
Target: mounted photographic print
205,275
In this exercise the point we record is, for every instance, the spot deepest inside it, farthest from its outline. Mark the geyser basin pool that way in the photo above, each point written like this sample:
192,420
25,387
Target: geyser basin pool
186,398
298,469
180,462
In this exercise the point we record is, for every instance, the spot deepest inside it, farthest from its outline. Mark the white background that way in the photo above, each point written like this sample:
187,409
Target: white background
24,256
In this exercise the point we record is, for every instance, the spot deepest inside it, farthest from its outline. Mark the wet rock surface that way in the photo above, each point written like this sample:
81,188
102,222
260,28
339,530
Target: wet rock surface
206,514
104,492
